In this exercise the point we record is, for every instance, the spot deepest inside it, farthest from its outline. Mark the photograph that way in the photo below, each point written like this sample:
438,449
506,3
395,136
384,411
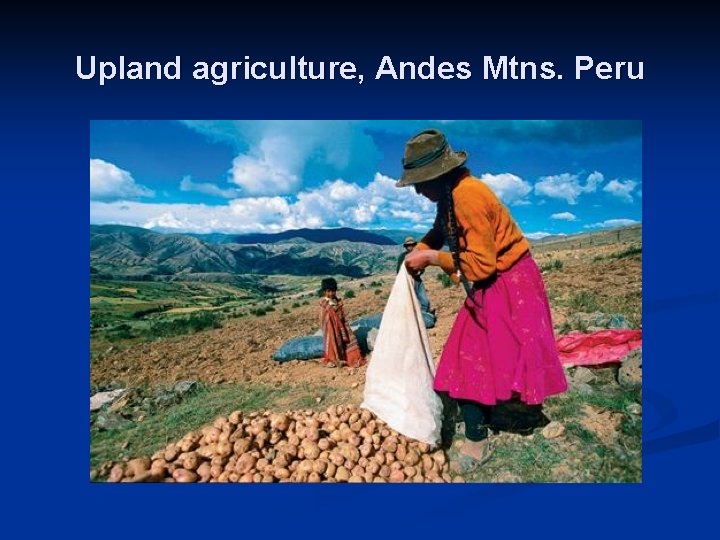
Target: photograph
366,301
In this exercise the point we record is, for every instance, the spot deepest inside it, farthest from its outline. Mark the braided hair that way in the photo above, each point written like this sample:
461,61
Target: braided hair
448,220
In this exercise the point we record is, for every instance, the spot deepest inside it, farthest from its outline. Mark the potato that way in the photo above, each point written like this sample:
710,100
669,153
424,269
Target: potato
401,452
158,467
356,480
439,457
247,478
312,450
138,465
384,471
281,473
235,417
427,463
220,460
257,478
189,442
379,480
275,437
397,476
211,435
366,415
373,467
305,466
220,422
203,472
171,452
389,446
116,473
320,466
216,470
279,422
412,457
323,443
337,458
245,463
314,478
396,466
234,477
191,461
357,470
184,476
409,471
330,470
342,474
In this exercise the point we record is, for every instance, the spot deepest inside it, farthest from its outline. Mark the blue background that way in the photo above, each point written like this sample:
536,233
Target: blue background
46,113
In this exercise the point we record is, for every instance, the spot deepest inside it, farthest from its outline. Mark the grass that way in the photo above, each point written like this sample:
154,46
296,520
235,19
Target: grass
163,426
580,455
584,301
557,264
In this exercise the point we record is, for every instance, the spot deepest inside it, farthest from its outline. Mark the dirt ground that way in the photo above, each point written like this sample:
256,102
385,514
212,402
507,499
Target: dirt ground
242,350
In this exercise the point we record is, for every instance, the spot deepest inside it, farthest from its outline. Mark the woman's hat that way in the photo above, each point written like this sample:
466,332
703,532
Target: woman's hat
409,241
427,157
328,284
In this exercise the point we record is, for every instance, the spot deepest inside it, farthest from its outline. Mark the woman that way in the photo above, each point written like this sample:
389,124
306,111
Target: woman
341,347
502,344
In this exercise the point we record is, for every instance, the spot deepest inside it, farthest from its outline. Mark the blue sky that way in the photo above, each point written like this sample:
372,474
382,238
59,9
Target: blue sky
557,177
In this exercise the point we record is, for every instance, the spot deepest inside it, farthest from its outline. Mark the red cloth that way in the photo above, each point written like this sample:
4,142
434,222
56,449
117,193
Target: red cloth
340,345
580,349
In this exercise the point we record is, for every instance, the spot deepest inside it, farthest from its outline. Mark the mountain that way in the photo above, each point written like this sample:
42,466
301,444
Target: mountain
312,235
134,253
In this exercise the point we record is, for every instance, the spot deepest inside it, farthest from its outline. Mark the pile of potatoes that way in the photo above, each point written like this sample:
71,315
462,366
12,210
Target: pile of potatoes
341,444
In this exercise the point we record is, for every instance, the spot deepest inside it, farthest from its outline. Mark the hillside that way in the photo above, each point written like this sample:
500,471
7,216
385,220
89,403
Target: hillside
312,235
118,252
230,361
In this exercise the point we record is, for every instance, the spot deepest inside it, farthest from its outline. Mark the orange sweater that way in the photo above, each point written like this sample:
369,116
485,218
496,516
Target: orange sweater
488,237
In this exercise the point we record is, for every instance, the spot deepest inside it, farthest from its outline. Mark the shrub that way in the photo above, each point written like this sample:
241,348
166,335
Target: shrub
557,264
445,280
296,305
349,293
584,301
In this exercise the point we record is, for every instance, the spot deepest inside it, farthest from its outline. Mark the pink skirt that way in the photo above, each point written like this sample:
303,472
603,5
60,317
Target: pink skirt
506,348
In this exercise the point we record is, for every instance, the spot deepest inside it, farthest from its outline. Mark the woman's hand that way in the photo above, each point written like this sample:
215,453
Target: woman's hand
416,261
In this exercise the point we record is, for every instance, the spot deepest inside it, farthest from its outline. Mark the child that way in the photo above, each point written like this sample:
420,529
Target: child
341,347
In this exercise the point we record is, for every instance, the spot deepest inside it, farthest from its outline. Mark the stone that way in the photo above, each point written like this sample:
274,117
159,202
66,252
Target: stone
583,375
101,399
582,388
109,420
553,430
630,372
634,408
184,387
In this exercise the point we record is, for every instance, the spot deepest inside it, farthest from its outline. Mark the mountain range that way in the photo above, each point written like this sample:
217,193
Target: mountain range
121,252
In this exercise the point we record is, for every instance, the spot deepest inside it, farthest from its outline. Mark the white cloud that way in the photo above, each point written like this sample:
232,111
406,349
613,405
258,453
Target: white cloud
186,184
109,182
511,189
610,223
564,216
336,203
537,235
567,186
621,189
275,157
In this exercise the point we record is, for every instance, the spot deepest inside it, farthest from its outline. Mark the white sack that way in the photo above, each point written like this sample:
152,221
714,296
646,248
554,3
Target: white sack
399,378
